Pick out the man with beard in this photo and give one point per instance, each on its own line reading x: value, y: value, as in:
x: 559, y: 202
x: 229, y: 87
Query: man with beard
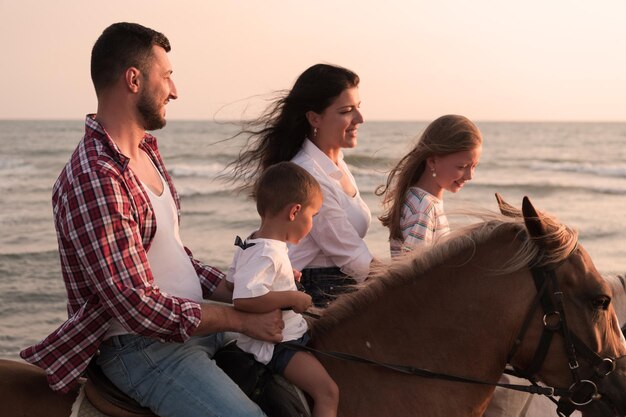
x: 134, y: 291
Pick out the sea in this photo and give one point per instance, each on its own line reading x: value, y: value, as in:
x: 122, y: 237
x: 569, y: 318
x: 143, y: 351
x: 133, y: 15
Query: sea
x: 574, y: 171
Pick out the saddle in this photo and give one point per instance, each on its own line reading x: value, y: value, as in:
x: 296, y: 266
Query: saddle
x: 108, y: 399
x: 274, y: 394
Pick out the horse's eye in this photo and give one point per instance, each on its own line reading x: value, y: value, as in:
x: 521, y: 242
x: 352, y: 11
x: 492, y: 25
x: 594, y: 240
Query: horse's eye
x: 601, y: 302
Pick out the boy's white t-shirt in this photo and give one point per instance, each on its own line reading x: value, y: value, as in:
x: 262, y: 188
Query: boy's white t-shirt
x: 262, y: 267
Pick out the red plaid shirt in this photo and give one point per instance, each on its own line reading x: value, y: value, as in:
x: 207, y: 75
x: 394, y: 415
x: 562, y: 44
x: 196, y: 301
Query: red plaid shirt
x: 105, y: 224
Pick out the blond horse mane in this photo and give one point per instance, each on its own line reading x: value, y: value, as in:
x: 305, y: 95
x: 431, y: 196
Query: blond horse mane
x: 559, y: 238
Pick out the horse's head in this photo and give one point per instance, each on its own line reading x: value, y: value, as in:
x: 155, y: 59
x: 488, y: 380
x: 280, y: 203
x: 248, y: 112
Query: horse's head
x: 574, y: 322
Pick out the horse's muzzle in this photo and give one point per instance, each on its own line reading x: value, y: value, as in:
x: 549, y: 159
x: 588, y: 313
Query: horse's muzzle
x: 612, y: 401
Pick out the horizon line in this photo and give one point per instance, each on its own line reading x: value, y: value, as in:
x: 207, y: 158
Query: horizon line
x: 589, y: 121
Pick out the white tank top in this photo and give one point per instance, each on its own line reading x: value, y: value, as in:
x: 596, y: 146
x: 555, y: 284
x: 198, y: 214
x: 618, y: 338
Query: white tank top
x: 170, y: 265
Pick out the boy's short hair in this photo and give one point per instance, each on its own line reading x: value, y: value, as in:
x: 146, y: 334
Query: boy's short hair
x: 283, y: 184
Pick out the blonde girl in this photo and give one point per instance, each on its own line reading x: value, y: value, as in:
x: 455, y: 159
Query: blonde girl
x: 444, y: 159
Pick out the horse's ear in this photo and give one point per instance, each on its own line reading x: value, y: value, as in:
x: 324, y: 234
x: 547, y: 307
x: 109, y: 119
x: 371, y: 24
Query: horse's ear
x: 506, y: 209
x: 534, y: 224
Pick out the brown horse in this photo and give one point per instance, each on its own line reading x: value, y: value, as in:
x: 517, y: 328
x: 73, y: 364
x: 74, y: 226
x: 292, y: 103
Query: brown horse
x: 457, y: 309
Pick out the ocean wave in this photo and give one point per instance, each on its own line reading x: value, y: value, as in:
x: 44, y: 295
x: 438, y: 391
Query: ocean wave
x: 369, y: 177
x: 600, y: 234
x: 617, y: 171
x: 190, y: 193
x: 30, y: 255
x: 550, y: 186
x: 359, y: 165
x: 368, y: 160
x: 211, y: 170
x: 12, y: 164
x: 376, y: 172
x: 380, y: 170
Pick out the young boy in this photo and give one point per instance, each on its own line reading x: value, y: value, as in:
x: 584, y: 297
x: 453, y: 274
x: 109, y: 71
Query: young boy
x: 287, y: 197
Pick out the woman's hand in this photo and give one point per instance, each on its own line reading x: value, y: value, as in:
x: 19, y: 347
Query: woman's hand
x: 297, y: 275
x: 375, y: 268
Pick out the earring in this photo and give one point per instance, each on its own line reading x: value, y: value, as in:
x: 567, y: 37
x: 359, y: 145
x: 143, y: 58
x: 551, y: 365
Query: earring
x: 434, y: 173
x: 314, y: 132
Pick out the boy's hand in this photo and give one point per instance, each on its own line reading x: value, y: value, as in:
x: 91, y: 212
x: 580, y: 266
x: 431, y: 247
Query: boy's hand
x: 301, y: 301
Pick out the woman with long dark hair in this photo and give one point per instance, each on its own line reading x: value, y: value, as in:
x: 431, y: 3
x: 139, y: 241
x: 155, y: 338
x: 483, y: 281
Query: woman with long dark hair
x: 310, y: 125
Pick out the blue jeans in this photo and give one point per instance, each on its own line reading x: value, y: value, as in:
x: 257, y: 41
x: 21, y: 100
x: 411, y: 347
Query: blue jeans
x: 174, y: 379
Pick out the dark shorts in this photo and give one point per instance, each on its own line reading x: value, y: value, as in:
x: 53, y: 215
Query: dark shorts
x: 283, y: 354
x: 325, y: 284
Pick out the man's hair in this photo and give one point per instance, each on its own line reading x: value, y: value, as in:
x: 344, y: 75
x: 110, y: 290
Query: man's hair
x: 283, y: 184
x: 121, y: 46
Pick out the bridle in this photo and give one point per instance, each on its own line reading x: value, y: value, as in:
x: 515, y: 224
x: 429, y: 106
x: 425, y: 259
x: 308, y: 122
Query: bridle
x: 583, y: 390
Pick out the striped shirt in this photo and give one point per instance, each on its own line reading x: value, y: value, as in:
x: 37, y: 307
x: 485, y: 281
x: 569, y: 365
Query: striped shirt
x: 422, y: 221
x: 105, y: 225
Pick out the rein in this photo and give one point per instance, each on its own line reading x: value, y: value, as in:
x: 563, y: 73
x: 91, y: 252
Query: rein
x: 405, y: 369
x: 580, y: 393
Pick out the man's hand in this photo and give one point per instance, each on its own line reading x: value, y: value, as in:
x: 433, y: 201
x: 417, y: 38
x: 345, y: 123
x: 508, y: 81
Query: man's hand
x: 265, y: 326
x: 224, y: 318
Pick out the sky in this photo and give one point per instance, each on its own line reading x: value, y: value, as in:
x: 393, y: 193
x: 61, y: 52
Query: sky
x: 490, y: 60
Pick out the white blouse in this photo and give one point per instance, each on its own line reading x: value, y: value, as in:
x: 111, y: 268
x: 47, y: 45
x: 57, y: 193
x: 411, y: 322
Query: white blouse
x: 339, y: 228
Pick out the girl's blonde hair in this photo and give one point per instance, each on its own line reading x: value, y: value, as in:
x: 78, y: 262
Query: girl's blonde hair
x: 446, y: 135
